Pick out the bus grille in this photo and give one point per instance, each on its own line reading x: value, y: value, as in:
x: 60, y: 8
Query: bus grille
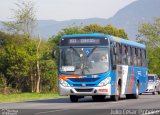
x: 83, y: 79
x: 84, y: 90
x: 86, y: 85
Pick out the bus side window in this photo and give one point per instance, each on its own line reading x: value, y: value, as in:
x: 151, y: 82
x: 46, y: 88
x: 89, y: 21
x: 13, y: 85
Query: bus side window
x: 117, y: 45
x: 124, y: 54
x: 129, y: 55
x: 119, y: 57
x: 138, y: 57
x: 144, y: 58
x: 113, y: 55
x: 134, y: 56
x: 114, y: 60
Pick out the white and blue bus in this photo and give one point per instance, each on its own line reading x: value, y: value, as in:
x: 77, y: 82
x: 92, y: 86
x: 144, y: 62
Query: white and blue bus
x: 100, y: 65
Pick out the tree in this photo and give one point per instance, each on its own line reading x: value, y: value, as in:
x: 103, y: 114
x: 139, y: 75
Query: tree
x: 24, y: 23
x: 18, y: 67
x: 24, y: 19
x: 109, y: 29
x: 93, y: 28
x: 149, y: 33
x: 14, y: 60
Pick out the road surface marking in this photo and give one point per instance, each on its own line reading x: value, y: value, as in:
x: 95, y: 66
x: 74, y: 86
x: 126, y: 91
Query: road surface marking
x: 48, y: 112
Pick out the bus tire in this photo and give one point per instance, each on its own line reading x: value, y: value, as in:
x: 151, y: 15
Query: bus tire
x: 98, y: 97
x: 117, y: 96
x: 136, y: 96
x: 73, y: 98
x: 128, y: 96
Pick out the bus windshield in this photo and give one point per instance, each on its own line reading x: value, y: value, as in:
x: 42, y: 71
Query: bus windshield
x: 151, y: 78
x: 84, y: 61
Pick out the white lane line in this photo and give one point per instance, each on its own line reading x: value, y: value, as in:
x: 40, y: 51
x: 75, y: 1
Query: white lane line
x: 124, y: 101
x: 48, y: 112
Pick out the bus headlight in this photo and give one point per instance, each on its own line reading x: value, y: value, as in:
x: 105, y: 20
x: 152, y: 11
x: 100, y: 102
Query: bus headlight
x: 64, y: 83
x: 104, y: 82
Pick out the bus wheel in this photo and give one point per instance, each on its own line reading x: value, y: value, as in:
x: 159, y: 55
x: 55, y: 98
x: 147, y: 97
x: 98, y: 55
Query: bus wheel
x: 128, y: 96
x: 98, y: 97
x: 117, y: 96
x: 73, y: 98
x: 136, y: 96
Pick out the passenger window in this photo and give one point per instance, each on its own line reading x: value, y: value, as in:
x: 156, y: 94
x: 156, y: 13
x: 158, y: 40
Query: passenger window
x: 134, y: 52
x: 113, y: 55
x: 144, y: 62
x: 119, y: 56
x: 138, y: 57
x: 124, y: 54
x: 129, y: 55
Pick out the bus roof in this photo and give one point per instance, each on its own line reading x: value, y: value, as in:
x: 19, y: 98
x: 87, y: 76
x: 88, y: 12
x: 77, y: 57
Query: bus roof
x: 111, y: 38
x: 85, y: 35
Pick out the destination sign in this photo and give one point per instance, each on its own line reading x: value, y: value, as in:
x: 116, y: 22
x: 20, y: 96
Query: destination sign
x: 84, y: 41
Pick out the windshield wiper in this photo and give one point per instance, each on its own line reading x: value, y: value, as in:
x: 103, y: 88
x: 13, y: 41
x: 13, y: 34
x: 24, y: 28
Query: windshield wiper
x: 84, y: 65
x: 82, y: 60
x: 91, y: 51
x: 75, y: 50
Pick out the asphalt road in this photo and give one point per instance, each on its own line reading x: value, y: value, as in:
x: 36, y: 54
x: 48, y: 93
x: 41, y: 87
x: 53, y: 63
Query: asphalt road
x: 146, y: 104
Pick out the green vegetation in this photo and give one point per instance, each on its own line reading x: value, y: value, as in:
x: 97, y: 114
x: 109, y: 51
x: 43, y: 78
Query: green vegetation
x: 18, y: 67
x: 150, y: 35
x: 109, y: 29
x: 19, y: 97
x: 26, y: 63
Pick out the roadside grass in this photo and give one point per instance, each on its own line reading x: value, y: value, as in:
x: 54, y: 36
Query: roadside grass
x: 19, y: 97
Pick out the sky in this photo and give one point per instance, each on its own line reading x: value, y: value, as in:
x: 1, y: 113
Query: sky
x: 67, y: 9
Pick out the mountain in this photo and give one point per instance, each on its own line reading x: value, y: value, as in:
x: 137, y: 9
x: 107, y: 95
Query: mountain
x: 48, y: 28
x: 131, y: 16
x: 127, y: 18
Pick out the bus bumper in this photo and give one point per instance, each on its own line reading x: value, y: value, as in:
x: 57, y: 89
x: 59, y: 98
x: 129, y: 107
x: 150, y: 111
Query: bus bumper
x: 85, y: 91
x: 149, y: 90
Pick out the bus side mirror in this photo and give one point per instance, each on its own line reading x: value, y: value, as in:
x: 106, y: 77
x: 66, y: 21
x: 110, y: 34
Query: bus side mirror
x: 53, y: 53
x: 115, y: 51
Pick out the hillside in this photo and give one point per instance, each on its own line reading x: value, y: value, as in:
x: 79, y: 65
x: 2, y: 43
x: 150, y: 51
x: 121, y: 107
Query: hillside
x: 134, y: 14
x: 127, y: 18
